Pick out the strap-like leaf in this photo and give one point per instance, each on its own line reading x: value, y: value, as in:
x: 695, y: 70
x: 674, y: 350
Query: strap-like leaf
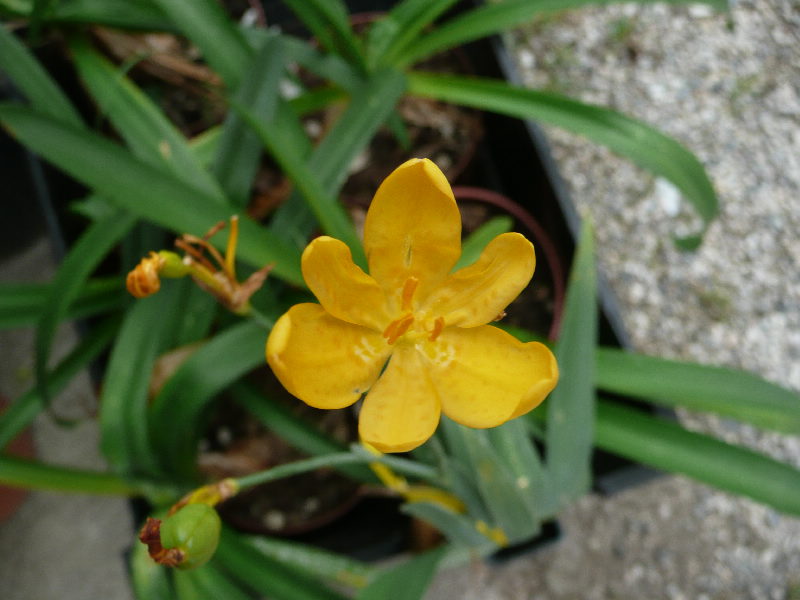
x: 668, y: 446
x: 726, y: 392
x: 406, y: 581
x: 33, y: 81
x: 143, y: 189
x: 632, y: 139
x: 570, y: 407
x: 205, y: 23
x: 267, y: 576
x: 495, y: 17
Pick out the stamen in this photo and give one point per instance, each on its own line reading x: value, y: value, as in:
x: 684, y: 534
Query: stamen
x: 409, y: 287
x: 438, y: 326
x: 230, y: 249
x: 397, y: 328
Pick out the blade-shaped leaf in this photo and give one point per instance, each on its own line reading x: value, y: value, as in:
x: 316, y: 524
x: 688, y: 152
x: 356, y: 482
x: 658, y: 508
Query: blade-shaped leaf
x: 632, y: 139
x: 266, y: 576
x: 143, y: 126
x: 123, y: 404
x: 473, y: 246
x: 22, y: 304
x: 320, y: 563
x: 329, y: 21
x: 727, y: 392
x: 401, y: 26
x: 666, y: 445
x: 369, y: 107
x: 150, y: 580
x: 207, y: 582
x: 176, y: 410
x: 142, y: 189
x: 495, y: 17
x: 570, y: 406
x: 406, y: 581
x: 18, y: 472
x: 33, y: 81
x: 239, y: 148
x: 141, y: 14
x: 83, y: 258
x: 221, y: 42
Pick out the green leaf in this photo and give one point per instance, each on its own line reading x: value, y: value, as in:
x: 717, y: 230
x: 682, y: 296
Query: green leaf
x: 329, y: 22
x: 22, y: 412
x: 139, y: 121
x: 632, y: 139
x: 239, y: 149
x: 207, y: 582
x: 149, y: 579
x: 495, y: 17
x: 177, y: 409
x: 123, y: 403
x: 327, y: 169
x: 22, y: 304
x: 266, y: 576
x: 507, y: 504
x: 142, y: 189
x: 33, y: 81
x: 726, y: 392
x: 317, y: 562
x: 83, y: 258
x: 514, y: 445
x: 116, y: 13
x: 570, y: 407
x: 457, y: 528
x: 406, y: 581
x: 205, y: 23
x: 668, y: 446
x: 18, y: 472
x: 473, y: 246
x: 400, y: 27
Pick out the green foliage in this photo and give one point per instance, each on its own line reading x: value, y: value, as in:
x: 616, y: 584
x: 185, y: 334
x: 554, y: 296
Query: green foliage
x: 149, y: 180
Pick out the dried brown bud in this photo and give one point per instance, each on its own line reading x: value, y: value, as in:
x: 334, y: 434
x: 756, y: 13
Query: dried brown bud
x: 144, y: 281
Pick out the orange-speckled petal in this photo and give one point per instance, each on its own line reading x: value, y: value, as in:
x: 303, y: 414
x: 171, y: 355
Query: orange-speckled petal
x: 341, y: 287
x: 478, y: 293
x: 413, y: 228
x: 485, y: 376
x: 325, y: 362
x: 401, y: 411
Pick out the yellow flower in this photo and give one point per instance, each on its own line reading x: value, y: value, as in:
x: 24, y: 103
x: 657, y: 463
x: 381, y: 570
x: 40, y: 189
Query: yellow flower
x: 428, y: 323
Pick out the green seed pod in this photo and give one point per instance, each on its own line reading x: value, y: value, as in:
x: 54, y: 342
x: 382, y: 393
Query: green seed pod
x: 194, y: 530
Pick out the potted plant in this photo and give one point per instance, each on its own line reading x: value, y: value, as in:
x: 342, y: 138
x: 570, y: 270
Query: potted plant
x: 484, y: 489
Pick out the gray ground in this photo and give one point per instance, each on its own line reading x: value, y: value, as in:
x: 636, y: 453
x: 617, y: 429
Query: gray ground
x: 728, y: 86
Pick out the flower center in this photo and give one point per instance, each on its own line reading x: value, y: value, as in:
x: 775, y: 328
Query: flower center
x: 400, y: 326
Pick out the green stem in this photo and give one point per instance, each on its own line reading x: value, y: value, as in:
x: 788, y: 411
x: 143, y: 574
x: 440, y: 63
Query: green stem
x: 333, y: 460
x: 17, y: 472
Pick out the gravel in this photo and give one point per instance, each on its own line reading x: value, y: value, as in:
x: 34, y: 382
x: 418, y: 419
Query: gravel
x: 726, y: 85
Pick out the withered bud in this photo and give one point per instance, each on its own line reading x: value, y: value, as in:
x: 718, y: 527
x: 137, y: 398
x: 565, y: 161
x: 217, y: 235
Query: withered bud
x: 145, y: 279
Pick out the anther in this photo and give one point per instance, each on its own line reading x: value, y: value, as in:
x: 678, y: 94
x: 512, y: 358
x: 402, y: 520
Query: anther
x: 409, y: 287
x: 397, y: 328
x: 438, y: 326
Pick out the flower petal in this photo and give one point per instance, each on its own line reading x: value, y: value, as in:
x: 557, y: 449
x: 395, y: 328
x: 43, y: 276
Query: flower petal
x: 413, y: 228
x: 402, y: 410
x: 341, y: 287
x: 325, y: 362
x: 485, y: 376
x: 478, y: 293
